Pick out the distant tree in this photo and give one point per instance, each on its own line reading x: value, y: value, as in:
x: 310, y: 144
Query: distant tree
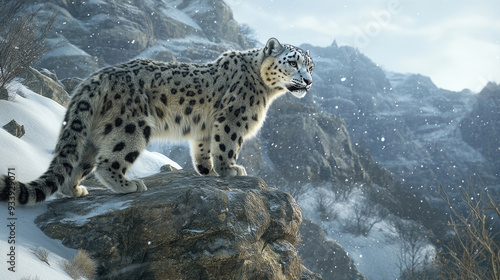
x: 296, y: 189
x: 412, y: 240
x: 474, y: 251
x: 343, y: 191
x: 249, y: 34
x: 324, y: 205
x: 22, y: 39
x: 366, y: 215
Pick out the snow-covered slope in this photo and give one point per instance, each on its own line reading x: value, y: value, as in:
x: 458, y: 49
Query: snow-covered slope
x: 27, y: 158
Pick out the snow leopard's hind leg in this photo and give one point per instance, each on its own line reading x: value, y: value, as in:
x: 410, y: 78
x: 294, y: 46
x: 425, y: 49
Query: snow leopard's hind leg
x: 117, y: 154
x: 85, y: 166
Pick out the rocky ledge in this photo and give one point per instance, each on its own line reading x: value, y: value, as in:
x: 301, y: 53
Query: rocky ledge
x: 184, y: 227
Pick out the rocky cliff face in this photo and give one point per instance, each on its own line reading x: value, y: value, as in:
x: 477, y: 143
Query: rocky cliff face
x: 306, y: 145
x: 88, y: 35
x: 319, y: 252
x: 184, y: 227
x: 481, y: 127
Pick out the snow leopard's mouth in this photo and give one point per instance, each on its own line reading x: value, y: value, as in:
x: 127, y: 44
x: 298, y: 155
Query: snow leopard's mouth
x: 298, y: 91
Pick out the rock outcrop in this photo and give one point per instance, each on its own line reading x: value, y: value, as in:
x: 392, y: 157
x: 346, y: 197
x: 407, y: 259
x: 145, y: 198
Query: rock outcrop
x: 319, y: 253
x: 300, y: 143
x: 309, y: 146
x: 44, y: 85
x: 184, y: 227
x: 4, y: 94
x: 481, y: 128
x: 15, y: 129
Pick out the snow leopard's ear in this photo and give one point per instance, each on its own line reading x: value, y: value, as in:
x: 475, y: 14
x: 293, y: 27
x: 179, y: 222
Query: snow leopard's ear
x: 273, y: 47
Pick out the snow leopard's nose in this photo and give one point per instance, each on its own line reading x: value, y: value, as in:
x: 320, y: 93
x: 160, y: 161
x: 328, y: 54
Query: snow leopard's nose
x: 307, y: 81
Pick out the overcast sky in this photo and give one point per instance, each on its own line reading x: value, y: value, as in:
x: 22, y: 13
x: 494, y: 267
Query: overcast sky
x: 456, y: 43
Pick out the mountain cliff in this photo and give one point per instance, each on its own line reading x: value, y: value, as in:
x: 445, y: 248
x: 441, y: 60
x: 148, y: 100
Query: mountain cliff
x: 481, y: 127
x: 88, y: 35
x: 425, y: 135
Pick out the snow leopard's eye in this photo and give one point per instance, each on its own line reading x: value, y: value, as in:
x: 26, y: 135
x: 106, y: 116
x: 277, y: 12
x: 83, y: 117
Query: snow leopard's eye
x: 310, y: 69
x: 293, y: 63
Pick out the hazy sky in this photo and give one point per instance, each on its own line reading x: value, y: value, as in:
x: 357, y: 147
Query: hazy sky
x: 456, y: 43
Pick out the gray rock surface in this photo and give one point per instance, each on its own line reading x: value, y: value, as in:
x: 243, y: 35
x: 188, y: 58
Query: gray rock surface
x: 307, y: 145
x: 4, y: 94
x: 184, y: 227
x: 45, y: 86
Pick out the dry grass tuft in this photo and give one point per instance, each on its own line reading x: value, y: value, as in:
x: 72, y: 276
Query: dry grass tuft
x: 82, y: 266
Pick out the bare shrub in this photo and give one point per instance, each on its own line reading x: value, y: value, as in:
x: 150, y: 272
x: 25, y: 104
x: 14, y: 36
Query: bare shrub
x: 366, y: 215
x: 249, y: 34
x: 295, y: 189
x: 343, y: 191
x: 324, y: 205
x: 82, y: 266
x: 473, y: 252
x: 412, y: 239
x: 42, y: 254
x: 22, y: 39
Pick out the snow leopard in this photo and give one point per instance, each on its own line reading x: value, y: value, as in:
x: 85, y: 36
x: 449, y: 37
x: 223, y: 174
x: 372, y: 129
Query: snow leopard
x: 114, y: 114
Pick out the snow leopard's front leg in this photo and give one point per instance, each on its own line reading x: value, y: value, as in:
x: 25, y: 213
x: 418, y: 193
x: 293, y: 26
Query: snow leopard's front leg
x: 225, y: 146
x: 200, y: 153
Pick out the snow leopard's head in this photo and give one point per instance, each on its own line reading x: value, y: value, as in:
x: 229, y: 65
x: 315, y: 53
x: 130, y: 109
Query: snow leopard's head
x: 287, y: 67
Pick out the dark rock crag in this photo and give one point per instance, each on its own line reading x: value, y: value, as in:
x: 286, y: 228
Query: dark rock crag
x: 481, y: 128
x: 319, y: 253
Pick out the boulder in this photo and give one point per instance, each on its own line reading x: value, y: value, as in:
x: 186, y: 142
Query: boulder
x: 45, y: 86
x: 184, y: 227
x: 15, y: 129
x: 4, y: 94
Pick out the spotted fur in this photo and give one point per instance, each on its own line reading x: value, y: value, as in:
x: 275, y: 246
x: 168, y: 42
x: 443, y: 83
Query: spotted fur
x: 114, y: 113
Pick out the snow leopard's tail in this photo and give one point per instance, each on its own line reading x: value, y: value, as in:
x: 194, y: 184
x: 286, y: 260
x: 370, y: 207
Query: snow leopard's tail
x: 68, y: 165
